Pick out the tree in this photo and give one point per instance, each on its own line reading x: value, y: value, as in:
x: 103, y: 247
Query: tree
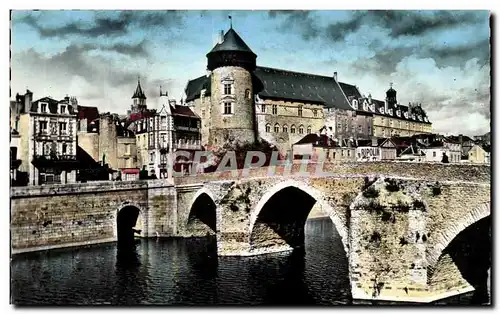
x: 240, y: 150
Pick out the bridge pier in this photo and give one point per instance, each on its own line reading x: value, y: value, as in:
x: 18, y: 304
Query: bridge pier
x: 388, y: 238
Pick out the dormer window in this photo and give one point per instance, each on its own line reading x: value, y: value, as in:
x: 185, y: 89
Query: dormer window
x: 63, y: 109
x: 365, y: 105
x: 398, y: 113
x: 382, y: 110
x: 43, y: 107
x: 406, y: 115
x: 355, y: 104
x: 391, y: 112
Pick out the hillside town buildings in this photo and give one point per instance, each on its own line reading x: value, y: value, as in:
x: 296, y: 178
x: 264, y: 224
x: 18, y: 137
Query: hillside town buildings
x: 236, y: 101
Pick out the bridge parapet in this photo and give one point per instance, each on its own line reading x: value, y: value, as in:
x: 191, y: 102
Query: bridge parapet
x: 428, y: 171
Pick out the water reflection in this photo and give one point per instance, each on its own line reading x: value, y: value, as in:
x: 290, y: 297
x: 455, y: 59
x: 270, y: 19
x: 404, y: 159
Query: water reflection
x: 187, y: 272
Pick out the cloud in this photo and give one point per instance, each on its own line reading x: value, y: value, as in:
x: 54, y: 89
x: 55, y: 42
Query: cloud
x: 105, y: 26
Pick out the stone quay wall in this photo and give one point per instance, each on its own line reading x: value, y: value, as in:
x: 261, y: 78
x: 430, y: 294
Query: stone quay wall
x: 46, y: 217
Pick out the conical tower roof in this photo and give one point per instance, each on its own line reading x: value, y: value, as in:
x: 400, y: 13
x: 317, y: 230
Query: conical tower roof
x: 232, y: 51
x: 138, y: 91
x: 232, y: 42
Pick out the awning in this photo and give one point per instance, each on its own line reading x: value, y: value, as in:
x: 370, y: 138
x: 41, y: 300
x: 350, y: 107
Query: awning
x: 130, y: 171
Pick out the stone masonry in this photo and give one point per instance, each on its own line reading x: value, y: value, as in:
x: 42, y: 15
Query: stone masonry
x: 394, y: 219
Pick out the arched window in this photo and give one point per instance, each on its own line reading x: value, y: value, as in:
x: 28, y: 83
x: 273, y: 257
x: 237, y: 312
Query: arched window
x: 301, y: 129
x: 276, y: 128
x: 292, y: 129
x: 268, y: 128
x: 309, y: 130
x: 285, y: 128
x: 64, y: 148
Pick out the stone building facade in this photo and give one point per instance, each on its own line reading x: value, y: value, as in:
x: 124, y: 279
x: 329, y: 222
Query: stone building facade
x: 237, y: 99
x: 48, y: 141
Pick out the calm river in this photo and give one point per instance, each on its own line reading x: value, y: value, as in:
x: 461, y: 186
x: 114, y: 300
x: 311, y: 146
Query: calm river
x: 188, y: 272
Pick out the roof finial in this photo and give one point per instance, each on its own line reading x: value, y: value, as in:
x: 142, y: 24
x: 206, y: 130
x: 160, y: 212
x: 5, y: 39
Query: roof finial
x: 390, y: 84
x: 230, y: 21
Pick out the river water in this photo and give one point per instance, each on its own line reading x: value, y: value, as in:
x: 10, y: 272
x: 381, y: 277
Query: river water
x: 188, y: 272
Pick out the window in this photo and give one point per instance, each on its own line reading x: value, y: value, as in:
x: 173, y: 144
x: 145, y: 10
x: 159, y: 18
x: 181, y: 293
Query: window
x: 228, y: 108
x: 309, y: 130
x: 227, y: 89
x: 276, y: 128
x: 275, y: 109
x: 292, y: 129
x: 64, y: 148
x: 43, y: 126
x: 163, y: 123
x: 382, y: 121
x: 163, y: 140
x: 300, y: 111
x: 301, y: 129
x: 327, y: 154
x: 433, y: 154
x: 285, y: 128
x: 348, y: 153
x: 62, y: 128
x: 127, y: 149
x: 63, y: 109
x: 247, y: 94
x: 360, y: 128
x: 151, y: 157
x: 44, y: 107
x: 315, y: 112
x: 268, y: 128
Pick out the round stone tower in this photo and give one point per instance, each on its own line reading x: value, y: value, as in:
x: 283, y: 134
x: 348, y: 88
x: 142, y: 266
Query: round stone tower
x: 232, y: 116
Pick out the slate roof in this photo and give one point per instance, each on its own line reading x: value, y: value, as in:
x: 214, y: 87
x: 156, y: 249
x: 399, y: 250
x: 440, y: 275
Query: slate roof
x: 183, y: 111
x: 52, y: 105
x: 289, y: 85
x: 283, y: 84
x: 194, y: 87
x: 89, y: 113
x: 322, y: 140
x: 232, y: 42
x: 138, y: 91
x: 412, y: 113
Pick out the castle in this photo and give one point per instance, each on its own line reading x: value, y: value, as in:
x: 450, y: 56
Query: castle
x: 240, y: 101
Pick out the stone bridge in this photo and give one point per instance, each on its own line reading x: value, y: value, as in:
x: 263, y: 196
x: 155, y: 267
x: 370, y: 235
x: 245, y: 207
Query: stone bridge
x: 395, y: 220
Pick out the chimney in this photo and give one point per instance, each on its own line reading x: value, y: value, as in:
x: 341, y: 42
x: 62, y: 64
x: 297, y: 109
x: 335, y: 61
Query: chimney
x: 369, y: 98
x: 460, y: 138
x: 66, y: 98
x: 28, y: 98
x: 335, y: 76
x: 221, y: 37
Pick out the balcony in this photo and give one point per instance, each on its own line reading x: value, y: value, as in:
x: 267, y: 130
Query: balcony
x: 55, y: 161
x: 186, y: 128
x: 191, y: 146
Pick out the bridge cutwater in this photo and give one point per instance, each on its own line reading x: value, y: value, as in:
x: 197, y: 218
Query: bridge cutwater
x: 395, y: 220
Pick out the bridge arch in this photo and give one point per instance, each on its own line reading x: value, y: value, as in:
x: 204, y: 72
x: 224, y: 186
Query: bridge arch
x: 129, y: 221
x: 315, y: 197
x: 202, y: 217
x: 453, y: 229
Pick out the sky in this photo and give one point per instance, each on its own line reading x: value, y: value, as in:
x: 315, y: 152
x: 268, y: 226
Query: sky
x: 440, y: 59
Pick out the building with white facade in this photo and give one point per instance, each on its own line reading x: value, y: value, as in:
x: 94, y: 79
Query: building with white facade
x: 48, y: 139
